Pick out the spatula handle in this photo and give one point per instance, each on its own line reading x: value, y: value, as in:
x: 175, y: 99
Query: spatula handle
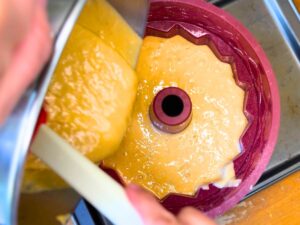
x: 104, y: 193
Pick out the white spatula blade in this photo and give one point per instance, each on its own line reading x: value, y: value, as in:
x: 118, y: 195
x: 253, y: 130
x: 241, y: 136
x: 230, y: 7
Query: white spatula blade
x: 104, y: 193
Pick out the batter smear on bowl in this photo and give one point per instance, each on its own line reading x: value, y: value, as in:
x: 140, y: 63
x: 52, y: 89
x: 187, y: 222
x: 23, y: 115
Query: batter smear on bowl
x: 203, y: 152
x: 92, y: 92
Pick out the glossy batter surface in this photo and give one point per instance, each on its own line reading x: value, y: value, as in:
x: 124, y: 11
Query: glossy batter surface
x: 181, y: 163
x: 101, y: 19
x: 90, y: 97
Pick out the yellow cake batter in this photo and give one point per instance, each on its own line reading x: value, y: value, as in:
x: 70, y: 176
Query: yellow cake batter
x: 102, y: 20
x: 92, y: 92
x: 181, y: 163
x: 91, y: 95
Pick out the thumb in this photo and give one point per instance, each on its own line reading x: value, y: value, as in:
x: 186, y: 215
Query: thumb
x: 26, y: 62
x: 147, y: 206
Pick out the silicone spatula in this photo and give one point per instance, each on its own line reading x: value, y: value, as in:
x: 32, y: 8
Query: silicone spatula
x: 105, y: 194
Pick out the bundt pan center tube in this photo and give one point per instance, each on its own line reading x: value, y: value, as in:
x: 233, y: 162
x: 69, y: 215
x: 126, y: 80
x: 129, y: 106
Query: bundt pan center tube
x: 204, y: 24
x: 171, y: 110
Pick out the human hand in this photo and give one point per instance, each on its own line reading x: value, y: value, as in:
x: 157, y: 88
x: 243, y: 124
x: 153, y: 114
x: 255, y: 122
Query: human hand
x: 25, y: 45
x: 153, y: 213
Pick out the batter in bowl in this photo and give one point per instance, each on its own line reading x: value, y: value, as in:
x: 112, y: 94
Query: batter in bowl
x: 92, y: 92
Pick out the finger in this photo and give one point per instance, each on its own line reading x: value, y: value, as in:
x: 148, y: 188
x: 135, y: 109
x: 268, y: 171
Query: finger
x: 27, y: 61
x: 15, y: 18
x: 191, y: 216
x: 150, y: 210
x: 7, y: 31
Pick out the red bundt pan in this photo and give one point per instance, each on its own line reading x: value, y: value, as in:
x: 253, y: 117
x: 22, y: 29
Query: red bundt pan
x: 203, y: 23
